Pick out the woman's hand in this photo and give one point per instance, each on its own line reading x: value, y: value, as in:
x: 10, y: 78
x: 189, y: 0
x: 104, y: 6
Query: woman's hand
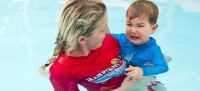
x: 127, y: 84
x: 134, y: 76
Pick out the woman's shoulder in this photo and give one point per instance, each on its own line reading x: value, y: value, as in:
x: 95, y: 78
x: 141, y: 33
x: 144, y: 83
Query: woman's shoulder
x: 110, y: 41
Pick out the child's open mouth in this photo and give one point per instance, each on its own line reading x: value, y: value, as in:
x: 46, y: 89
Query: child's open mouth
x: 135, y: 37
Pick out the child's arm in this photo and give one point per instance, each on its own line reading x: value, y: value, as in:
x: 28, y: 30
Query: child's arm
x: 137, y: 71
x: 159, y: 65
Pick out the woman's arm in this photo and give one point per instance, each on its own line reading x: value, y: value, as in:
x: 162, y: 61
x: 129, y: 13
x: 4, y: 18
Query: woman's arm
x: 128, y: 84
x: 63, y: 83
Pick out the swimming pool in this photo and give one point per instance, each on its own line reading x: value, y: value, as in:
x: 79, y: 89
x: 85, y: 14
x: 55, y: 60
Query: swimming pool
x: 28, y: 29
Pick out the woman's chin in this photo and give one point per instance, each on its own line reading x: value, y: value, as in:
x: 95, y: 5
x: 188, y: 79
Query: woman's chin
x: 98, y: 46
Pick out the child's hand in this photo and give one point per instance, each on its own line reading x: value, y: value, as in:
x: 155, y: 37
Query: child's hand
x: 134, y: 71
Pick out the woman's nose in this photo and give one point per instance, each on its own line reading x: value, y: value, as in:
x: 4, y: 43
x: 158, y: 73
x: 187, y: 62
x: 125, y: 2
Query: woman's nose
x: 107, y: 30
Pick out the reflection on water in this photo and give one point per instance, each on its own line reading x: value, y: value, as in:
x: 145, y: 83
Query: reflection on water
x: 28, y: 29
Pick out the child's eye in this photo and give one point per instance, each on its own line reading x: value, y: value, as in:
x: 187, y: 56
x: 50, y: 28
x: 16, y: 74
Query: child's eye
x: 128, y: 24
x: 140, y: 26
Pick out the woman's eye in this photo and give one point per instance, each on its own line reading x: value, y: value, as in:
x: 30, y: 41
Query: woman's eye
x: 102, y: 30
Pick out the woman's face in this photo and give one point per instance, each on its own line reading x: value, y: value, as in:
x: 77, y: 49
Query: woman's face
x: 95, y: 40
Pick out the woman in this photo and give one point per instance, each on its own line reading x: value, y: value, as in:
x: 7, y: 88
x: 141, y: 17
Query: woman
x: 83, y: 54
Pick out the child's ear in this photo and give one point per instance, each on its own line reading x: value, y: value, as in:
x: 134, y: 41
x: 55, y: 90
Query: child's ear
x: 154, y: 28
x: 81, y: 39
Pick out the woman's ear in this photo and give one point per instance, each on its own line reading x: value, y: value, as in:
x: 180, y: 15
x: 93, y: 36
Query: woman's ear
x: 81, y: 39
x: 154, y: 28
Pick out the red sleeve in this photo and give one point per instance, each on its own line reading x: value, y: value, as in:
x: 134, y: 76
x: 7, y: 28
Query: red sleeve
x: 63, y: 83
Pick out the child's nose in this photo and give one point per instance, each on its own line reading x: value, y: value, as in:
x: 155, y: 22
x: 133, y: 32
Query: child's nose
x: 133, y: 30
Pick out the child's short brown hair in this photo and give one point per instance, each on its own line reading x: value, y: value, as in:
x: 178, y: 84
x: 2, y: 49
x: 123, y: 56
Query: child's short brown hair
x: 143, y: 9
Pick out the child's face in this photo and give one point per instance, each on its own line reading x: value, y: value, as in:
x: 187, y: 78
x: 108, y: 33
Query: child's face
x: 138, y: 30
